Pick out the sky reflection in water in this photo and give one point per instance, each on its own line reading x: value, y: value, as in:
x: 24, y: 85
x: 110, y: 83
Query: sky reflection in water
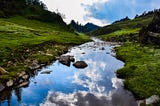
x: 95, y: 85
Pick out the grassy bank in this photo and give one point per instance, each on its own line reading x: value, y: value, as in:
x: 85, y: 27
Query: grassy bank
x: 142, y: 69
x: 122, y: 35
x: 26, y: 42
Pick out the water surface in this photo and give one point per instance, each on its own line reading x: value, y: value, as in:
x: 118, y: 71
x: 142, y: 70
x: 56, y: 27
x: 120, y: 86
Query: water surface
x: 95, y: 85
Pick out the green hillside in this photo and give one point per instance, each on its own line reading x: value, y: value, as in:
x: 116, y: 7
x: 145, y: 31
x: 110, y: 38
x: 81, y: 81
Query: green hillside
x: 25, y: 41
x: 122, y: 28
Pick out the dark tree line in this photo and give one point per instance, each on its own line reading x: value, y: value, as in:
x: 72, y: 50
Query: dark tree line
x: 123, y: 19
x: 32, y: 9
x: 144, y: 14
x: 150, y: 34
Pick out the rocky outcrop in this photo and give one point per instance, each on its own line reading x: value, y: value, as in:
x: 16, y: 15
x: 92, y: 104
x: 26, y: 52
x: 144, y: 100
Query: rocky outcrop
x: 66, y: 60
x: 80, y: 64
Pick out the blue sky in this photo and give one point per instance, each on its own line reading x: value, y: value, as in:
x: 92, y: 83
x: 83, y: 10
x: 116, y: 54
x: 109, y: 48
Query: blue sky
x: 100, y: 12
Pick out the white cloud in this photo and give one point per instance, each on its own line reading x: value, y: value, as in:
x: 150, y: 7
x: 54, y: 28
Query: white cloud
x: 73, y: 9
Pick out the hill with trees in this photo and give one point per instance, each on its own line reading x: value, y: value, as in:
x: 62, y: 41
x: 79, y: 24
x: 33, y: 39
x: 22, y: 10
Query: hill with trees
x: 123, y: 25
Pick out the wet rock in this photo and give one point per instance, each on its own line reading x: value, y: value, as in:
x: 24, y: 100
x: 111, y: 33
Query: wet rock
x: 46, y: 72
x: 80, y: 64
x: 102, y: 48
x: 2, y: 71
x: 24, y: 84
x: 1, y: 87
x: 66, y: 60
x: 107, y: 53
x: 25, y: 77
x: 72, y: 59
x: 152, y: 99
x: 10, y: 83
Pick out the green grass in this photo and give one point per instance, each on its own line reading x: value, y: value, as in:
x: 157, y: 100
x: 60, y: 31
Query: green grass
x: 23, y: 39
x: 142, y: 69
x: 119, y: 33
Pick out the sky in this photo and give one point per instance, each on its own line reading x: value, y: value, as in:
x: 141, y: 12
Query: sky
x: 100, y: 12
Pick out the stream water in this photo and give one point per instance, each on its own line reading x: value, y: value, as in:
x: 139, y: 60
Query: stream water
x: 95, y: 85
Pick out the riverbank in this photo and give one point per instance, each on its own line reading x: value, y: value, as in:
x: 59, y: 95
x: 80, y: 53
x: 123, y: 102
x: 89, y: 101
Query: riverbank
x: 26, y: 45
x: 142, y: 69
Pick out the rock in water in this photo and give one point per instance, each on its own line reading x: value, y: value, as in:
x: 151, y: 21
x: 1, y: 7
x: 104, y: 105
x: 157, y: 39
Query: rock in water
x: 66, y: 60
x: 2, y: 71
x: 80, y: 64
x: 46, y: 72
x: 24, y: 84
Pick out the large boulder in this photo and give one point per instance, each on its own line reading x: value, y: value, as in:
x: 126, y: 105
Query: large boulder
x: 80, y: 64
x: 66, y: 60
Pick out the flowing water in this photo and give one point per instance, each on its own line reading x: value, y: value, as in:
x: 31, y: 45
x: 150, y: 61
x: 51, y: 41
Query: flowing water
x: 95, y: 85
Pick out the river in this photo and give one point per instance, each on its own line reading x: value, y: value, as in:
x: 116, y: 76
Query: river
x: 96, y: 85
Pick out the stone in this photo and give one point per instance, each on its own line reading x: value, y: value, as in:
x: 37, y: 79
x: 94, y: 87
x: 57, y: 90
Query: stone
x: 66, y: 60
x: 34, y: 65
x: 72, y: 59
x: 152, y: 99
x: 1, y: 87
x: 25, y: 77
x: 10, y: 83
x: 102, y: 48
x: 80, y: 64
x: 2, y: 71
x: 23, y: 84
x: 107, y: 53
x: 46, y: 72
x: 22, y: 74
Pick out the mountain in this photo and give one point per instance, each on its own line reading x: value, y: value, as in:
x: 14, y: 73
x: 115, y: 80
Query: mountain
x: 91, y: 26
x: 124, y: 24
x: 83, y: 29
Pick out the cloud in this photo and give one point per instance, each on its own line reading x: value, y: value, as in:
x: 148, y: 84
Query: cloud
x: 100, y: 12
x: 73, y: 9
x: 116, y: 97
x: 113, y: 10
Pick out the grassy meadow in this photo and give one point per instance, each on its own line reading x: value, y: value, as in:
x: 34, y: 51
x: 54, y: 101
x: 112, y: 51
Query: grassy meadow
x: 25, y: 41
